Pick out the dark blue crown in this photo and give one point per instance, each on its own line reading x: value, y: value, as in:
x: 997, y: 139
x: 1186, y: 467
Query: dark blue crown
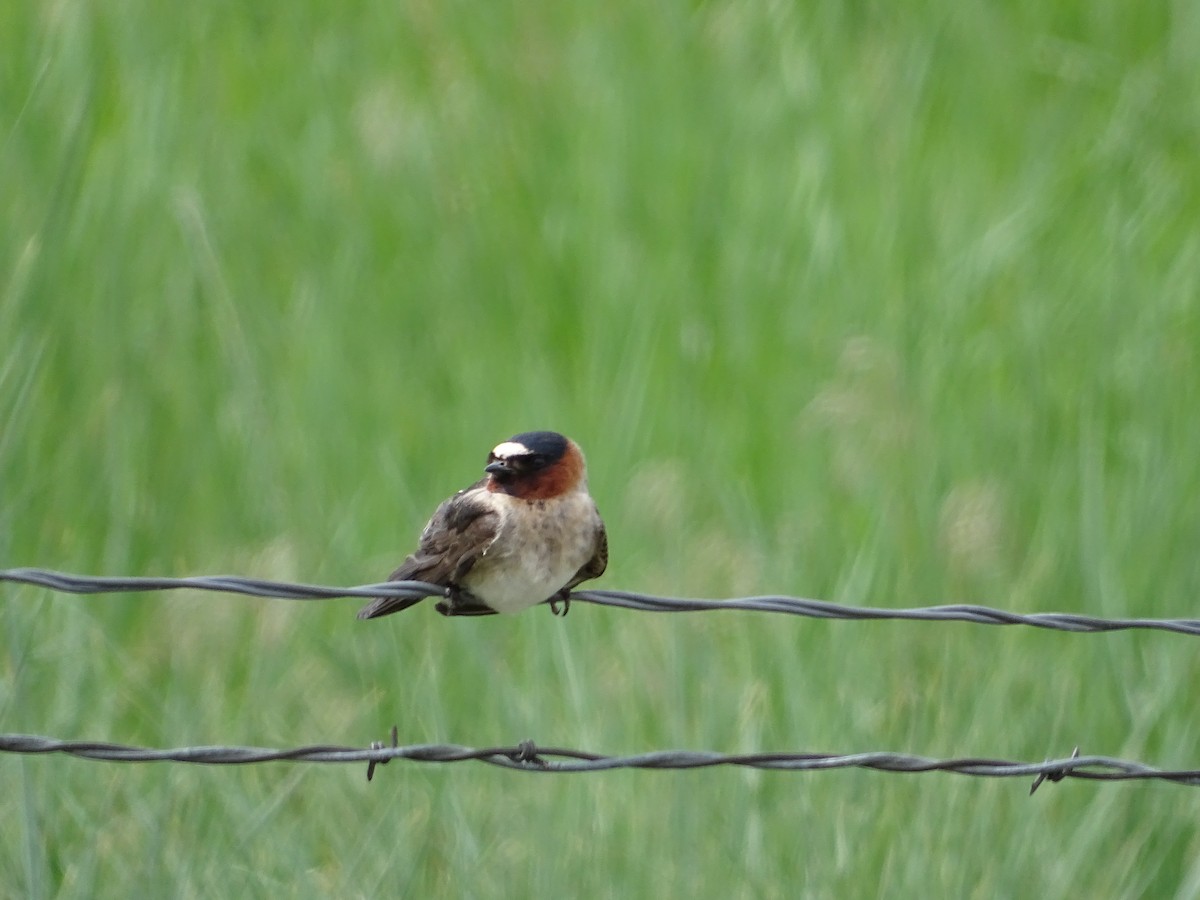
x: 548, y: 444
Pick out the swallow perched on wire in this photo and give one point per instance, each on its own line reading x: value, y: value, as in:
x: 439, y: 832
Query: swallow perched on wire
x: 526, y: 533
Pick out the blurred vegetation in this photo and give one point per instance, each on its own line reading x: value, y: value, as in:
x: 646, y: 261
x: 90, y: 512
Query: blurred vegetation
x: 875, y: 304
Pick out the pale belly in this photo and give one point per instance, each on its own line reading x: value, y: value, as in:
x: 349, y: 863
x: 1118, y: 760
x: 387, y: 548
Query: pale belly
x: 528, y: 564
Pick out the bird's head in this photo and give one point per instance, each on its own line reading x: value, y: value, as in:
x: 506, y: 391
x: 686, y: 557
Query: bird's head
x: 536, y: 465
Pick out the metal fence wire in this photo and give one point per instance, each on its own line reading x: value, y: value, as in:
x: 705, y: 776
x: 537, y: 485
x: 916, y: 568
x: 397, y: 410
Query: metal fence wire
x: 797, y: 606
x: 529, y: 757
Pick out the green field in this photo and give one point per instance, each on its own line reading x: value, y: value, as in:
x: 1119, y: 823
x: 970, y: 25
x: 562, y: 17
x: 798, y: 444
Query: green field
x: 885, y: 305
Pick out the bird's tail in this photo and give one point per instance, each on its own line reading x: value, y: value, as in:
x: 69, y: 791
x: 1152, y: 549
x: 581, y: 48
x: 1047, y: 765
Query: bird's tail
x: 385, y: 606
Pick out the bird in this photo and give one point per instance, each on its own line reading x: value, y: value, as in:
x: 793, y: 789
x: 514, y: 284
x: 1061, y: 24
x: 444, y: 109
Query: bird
x: 526, y: 533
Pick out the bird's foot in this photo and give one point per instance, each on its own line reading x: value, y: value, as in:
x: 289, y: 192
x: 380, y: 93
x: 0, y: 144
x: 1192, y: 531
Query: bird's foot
x: 461, y: 602
x: 565, y: 596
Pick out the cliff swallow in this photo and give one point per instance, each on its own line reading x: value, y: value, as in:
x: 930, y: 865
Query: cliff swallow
x: 527, y: 533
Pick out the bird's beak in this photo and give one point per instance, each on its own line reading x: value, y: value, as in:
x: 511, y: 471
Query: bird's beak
x: 497, y: 468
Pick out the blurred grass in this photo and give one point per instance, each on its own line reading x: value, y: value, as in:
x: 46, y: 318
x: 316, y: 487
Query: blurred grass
x: 881, y: 305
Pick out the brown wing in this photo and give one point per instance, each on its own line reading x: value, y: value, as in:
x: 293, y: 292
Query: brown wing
x: 456, y: 536
x: 595, y: 566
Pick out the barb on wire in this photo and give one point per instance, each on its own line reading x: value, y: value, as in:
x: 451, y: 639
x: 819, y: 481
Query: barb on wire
x: 1056, y: 775
x: 529, y: 757
x: 817, y: 609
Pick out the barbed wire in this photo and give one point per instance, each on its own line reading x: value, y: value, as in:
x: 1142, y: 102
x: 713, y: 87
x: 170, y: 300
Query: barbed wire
x: 818, y: 609
x: 529, y: 757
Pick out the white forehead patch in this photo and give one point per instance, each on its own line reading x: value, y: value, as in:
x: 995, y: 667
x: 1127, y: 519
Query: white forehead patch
x: 510, y: 448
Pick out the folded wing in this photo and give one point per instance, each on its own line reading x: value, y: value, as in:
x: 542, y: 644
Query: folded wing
x: 455, y: 538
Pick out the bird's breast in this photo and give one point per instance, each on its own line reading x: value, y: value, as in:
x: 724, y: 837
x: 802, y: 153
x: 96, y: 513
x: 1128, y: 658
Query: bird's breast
x: 539, y: 547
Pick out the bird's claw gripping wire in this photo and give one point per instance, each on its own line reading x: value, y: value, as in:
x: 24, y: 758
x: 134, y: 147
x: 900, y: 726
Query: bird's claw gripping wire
x: 565, y: 596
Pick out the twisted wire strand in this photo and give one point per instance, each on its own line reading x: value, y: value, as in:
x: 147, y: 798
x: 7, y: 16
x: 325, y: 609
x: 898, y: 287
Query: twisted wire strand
x: 818, y: 609
x: 529, y: 757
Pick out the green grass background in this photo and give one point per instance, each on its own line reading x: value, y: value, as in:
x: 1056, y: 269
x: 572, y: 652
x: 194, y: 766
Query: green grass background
x: 881, y: 304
